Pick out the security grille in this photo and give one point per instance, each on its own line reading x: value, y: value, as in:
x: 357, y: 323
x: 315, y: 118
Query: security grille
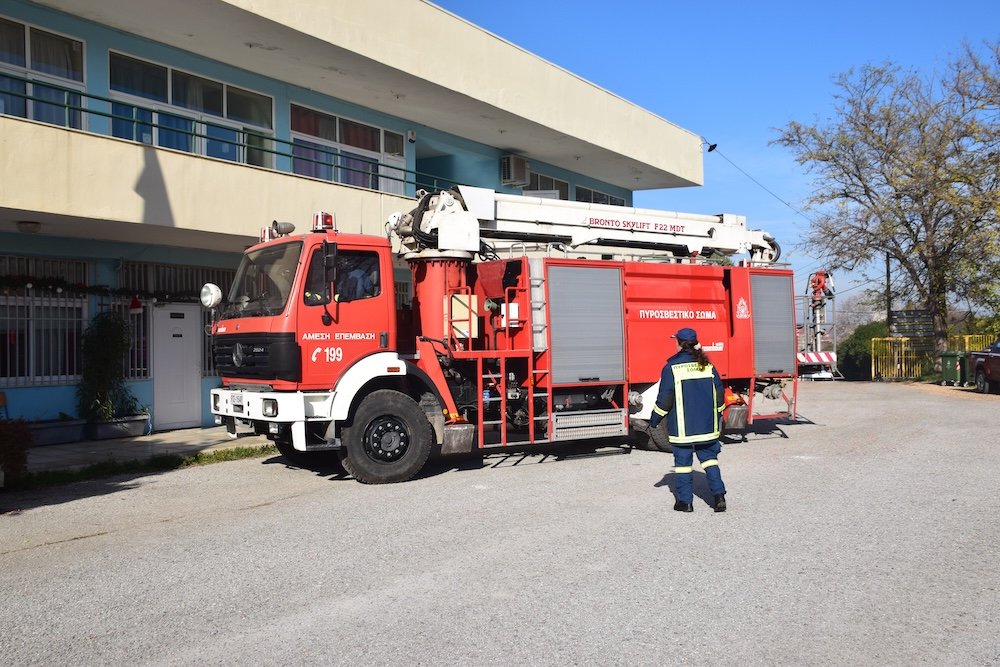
x: 42, y: 318
x: 168, y: 283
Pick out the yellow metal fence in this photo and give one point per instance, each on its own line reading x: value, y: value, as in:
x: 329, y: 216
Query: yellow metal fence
x: 898, y: 358
x: 910, y: 358
x: 973, y: 342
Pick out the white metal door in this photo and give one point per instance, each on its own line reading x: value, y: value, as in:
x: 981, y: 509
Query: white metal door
x: 177, y: 341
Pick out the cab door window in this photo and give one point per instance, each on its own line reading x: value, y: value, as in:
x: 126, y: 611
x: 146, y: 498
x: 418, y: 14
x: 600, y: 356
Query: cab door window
x: 358, y: 277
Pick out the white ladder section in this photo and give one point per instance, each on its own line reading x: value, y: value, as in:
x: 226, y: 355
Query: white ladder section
x: 580, y: 223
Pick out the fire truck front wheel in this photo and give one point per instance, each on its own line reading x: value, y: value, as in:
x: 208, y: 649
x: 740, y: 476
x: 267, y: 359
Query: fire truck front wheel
x: 389, y: 439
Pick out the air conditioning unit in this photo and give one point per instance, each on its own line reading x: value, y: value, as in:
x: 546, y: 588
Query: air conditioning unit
x: 514, y: 170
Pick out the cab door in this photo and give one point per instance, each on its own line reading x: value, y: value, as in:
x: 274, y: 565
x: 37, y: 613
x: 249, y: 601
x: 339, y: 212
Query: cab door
x: 361, y: 316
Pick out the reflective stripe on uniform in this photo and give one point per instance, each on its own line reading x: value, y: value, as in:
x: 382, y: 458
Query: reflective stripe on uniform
x: 683, y: 373
x: 680, y: 470
x: 709, y: 463
x: 660, y: 411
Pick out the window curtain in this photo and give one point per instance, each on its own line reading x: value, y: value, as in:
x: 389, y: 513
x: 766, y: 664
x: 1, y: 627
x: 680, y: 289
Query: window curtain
x: 357, y: 170
x: 134, y: 77
x: 309, y: 159
x: 307, y: 121
x: 13, y: 105
x: 12, y: 43
x: 59, y: 111
x: 247, y: 107
x: 55, y: 55
x: 360, y: 136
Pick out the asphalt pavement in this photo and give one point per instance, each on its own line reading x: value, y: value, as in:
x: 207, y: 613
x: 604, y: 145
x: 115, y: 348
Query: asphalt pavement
x: 866, y: 533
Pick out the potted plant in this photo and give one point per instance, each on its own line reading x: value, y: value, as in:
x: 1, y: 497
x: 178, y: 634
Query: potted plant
x: 15, y: 439
x: 103, y: 397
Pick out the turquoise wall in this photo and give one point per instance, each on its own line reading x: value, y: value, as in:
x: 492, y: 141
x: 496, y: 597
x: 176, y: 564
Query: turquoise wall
x: 47, y: 402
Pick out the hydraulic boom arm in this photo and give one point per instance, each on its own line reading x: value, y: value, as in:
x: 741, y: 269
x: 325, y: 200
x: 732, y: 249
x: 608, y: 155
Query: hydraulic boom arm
x: 575, y: 224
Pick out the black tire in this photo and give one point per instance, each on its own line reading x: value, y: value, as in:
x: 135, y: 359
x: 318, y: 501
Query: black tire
x: 323, y: 460
x: 389, y: 439
x: 292, y: 455
x: 982, y: 384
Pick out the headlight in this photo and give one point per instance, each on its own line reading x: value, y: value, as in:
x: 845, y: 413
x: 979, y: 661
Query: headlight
x: 269, y: 407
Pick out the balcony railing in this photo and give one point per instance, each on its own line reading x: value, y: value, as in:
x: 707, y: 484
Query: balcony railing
x: 174, y: 128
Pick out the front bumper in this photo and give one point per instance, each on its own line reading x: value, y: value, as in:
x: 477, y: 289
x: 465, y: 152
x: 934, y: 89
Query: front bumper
x: 272, y: 411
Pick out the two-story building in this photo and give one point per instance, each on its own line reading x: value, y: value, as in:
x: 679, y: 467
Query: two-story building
x: 143, y: 144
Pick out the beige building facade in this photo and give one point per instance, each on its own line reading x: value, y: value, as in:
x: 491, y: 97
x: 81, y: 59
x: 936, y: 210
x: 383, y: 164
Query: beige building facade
x: 143, y: 145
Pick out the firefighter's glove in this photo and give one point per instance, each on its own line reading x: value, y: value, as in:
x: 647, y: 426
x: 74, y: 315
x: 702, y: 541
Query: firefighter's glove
x: 654, y: 419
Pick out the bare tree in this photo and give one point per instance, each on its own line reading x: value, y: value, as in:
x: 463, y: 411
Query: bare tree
x: 908, y: 168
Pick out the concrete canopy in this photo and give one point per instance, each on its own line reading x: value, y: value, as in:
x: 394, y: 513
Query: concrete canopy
x: 424, y: 64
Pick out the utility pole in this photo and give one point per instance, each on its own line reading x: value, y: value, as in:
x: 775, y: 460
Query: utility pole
x: 888, y: 296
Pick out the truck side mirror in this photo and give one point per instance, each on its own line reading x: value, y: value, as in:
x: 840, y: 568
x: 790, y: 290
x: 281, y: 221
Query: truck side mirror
x: 329, y: 268
x: 329, y: 278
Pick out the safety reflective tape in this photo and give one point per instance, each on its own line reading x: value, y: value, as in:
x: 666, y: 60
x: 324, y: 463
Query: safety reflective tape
x: 660, y: 411
x: 709, y: 463
x: 702, y: 437
x: 683, y: 373
x: 680, y: 470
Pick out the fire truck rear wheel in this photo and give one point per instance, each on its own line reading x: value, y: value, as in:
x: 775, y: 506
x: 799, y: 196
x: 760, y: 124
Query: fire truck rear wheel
x: 389, y: 440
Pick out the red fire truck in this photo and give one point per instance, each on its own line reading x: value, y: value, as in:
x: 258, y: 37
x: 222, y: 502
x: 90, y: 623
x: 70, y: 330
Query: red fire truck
x: 556, y: 332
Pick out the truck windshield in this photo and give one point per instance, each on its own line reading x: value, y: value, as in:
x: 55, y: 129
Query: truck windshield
x: 264, y: 281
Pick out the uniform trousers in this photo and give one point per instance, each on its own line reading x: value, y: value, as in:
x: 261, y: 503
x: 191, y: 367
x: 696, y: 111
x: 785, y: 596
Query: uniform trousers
x: 708, y: 455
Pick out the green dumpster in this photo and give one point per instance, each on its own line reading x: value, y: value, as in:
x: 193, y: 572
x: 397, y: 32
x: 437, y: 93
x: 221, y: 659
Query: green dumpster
x: 953, y: 368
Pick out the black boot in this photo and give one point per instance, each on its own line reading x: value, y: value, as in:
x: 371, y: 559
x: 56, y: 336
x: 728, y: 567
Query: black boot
x: 720, y: 503
x: 681, y: 506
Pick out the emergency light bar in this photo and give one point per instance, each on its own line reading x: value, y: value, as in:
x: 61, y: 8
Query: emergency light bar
x: 323, y: 221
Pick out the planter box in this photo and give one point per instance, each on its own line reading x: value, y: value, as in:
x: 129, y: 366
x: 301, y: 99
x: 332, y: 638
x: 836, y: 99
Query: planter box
x: 57, y: 431
x: 123, y: 427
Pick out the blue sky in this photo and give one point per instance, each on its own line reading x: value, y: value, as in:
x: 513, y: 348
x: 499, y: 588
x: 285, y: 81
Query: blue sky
x: 733, y: 72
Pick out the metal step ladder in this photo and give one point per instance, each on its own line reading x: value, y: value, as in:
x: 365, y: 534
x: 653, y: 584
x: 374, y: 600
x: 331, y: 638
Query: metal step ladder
x: 539, y: 311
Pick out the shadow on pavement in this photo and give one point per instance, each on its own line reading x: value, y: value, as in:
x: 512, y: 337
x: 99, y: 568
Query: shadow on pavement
x: 14, y: 502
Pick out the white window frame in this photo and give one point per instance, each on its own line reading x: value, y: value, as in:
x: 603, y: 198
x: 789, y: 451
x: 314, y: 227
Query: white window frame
x: 201, y: 119
x: 555, y: 182
x: 388, y: 164
x: 32, y: 76
x: 598, y: 192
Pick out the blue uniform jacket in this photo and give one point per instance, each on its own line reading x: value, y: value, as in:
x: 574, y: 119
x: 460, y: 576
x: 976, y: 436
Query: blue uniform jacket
x: 699, y: 411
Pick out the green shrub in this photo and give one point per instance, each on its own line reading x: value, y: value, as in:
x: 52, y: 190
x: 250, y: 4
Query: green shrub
x: 103, y: 394
x: 854, y: 354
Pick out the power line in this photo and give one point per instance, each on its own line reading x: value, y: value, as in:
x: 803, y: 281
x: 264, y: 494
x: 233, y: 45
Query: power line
x: 714, y: 148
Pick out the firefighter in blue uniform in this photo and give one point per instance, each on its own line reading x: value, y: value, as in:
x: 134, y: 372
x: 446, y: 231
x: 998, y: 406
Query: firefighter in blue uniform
x: 691, y: 398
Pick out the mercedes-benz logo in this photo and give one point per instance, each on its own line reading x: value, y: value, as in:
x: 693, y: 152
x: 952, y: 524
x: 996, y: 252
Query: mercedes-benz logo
x: 239, y: 356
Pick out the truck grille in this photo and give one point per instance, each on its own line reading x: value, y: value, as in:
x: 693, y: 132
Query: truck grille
x: 257, y: 356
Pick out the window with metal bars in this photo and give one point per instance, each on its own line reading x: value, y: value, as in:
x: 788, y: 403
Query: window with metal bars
x: 41, y: 321
x: 172, y: 282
